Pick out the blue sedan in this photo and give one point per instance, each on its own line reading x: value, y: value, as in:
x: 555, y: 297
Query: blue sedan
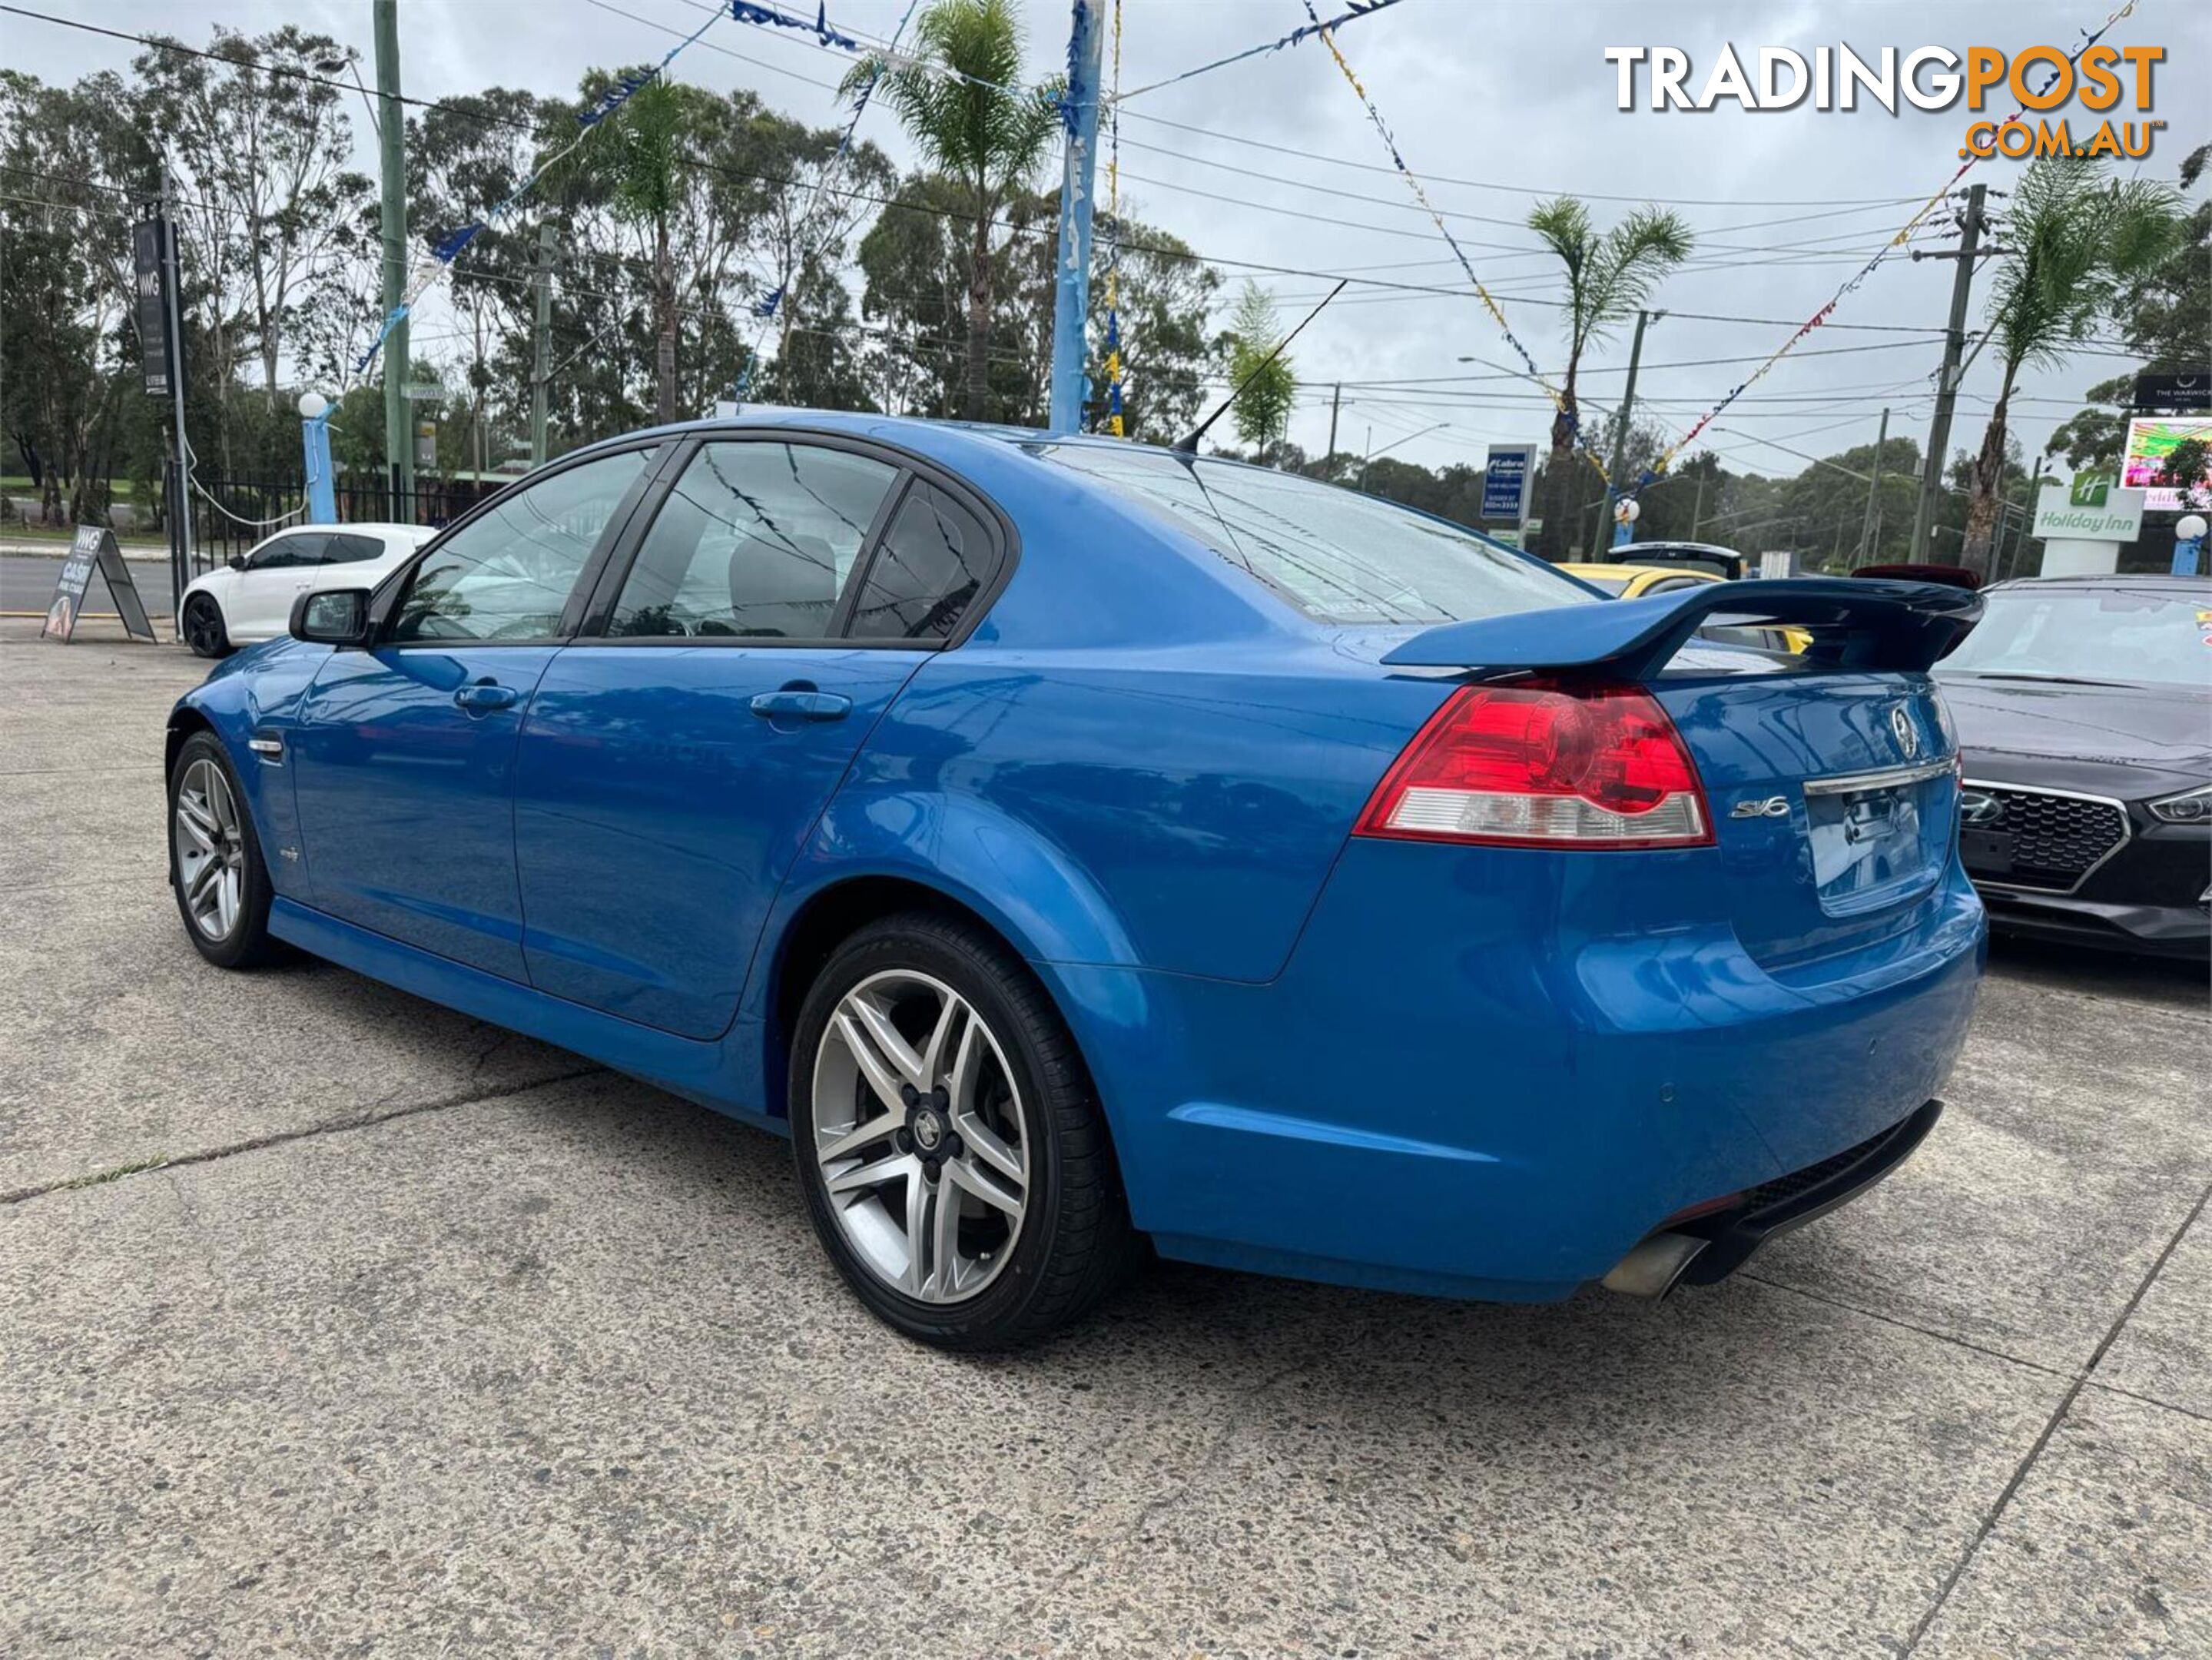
x: 1075, y: 847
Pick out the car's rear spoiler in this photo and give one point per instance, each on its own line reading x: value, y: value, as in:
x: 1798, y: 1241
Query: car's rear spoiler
x: 1854, y: 625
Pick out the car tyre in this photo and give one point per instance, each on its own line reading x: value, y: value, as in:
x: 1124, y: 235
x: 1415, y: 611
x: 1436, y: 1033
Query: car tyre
x: 1014, y: 1097
x: 216, y: 868
x: 204, y: 630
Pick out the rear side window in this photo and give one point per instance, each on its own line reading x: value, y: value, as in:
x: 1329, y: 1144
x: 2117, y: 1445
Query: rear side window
x: 756, y: 539
x: 933, y: 561
x: 1338, y: 556
x: 352, y: 550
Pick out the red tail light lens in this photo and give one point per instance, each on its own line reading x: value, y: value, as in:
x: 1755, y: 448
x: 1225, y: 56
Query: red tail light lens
x: 1545, y: 764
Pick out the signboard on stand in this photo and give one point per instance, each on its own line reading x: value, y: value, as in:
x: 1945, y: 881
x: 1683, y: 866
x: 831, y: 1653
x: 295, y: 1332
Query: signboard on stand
x: 95, y: 550
x: 1506, y: 481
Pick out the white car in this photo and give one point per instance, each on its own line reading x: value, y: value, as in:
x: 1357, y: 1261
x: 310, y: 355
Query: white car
x: 250, y: 598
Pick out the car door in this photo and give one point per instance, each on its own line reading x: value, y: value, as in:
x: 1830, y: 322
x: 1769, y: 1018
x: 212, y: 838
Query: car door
x: 678, y: 754
x: 259, y: 605
x: 402, y: 754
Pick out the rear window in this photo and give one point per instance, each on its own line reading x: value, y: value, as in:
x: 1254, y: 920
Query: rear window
x: 2116, y: 633
x: 1338, y: 556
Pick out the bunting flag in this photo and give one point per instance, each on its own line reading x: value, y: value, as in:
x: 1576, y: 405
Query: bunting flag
x: 1911, y: 228
x: 426, y: 269
x: 1566, y: 411
x: 1356, y: 10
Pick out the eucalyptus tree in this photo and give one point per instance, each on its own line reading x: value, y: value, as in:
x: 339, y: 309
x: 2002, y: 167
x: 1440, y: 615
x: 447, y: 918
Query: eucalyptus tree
x: 262, y: 146
x: 1609, y: 275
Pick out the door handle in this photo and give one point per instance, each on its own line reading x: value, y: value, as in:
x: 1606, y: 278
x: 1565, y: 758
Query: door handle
x: 483, y: 697
x: 802, y: 703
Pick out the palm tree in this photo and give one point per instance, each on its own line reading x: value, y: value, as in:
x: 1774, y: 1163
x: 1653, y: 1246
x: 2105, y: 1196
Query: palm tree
x: 641, y: 154
x: 1609, y: 275
x: 960, y: 100
x: 2076, y: 237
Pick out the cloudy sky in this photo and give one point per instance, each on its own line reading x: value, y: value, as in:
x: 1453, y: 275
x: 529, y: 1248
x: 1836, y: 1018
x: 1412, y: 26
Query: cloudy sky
x: 1272, y: 163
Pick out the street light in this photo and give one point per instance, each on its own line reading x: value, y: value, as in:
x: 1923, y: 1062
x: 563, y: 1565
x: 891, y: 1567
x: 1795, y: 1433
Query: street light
x: 1369, y: 459
x: 350, y: 62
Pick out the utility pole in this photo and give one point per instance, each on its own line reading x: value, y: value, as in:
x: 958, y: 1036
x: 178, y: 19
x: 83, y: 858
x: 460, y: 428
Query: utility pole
x: 1947, y: 383
x: 1336, y: 402
x: 1603, y: 539
x: 1071, y: 309
x: 1697, y: 511
x: 1873, y: 496
x: 181, y: 503
x: 391, y: 130
x: 541, y: 370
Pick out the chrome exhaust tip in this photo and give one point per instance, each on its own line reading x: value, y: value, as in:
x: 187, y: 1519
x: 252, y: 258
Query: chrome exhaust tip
x: 1652, y: 1268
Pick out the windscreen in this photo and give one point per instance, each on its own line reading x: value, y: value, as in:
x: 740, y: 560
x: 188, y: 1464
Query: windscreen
x: 1338, y: 556
x: 2115, y: 634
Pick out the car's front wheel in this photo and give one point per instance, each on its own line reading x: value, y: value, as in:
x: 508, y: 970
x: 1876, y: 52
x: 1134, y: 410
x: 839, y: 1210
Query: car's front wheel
x: 204, y: 626
x: 954, y: 1158
x: 214, y: 859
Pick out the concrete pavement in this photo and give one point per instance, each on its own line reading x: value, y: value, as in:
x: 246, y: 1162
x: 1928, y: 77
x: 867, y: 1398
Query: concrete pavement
x: 330, y: 1320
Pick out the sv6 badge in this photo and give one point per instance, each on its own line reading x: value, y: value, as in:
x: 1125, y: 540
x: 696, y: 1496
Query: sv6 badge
x: 1773, y: 806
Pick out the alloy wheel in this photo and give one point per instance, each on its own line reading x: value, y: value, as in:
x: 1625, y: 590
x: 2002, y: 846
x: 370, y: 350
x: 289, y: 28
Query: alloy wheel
x: 202, y: 627
x: 211, y: 849
x: 918, y: 1134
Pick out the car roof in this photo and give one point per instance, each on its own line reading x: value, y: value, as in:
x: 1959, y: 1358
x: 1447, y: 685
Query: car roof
x: 2162, y: 581
x: 365, y: 526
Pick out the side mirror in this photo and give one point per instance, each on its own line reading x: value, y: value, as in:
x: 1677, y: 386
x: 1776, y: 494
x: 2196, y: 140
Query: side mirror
x: 236, y: 562
x: 335, y: 617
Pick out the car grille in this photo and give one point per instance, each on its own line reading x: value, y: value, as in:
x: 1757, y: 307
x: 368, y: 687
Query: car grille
x: 2055, y: 839
x: 1783, y: 1188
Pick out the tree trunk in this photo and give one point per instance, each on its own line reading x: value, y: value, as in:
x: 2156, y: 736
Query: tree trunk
x: 1988, y: 483
x: 664, y: 302
x: 1558, y: 543
x: 973, y: 404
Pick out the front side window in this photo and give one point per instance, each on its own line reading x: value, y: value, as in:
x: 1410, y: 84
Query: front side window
x: 301, y: 552
x: 756, y: 540
x: 934, y: 559
x: 1338, y: 556
x: 506, y: 574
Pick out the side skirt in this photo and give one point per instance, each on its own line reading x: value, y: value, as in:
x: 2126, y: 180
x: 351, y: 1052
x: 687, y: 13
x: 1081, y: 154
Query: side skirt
x: 706, y: 1072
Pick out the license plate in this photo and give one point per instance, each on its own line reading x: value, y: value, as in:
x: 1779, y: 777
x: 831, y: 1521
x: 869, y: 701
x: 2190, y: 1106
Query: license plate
x: 1871, y: 847
x: 1988, y: 851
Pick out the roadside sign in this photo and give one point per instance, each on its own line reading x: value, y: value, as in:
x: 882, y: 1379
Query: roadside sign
x: 2095, y: 510
x: 95, y: 550
x: 423, y: 392
x: 2174, y: 394
x: 152, y: 303
x: 1506, y: 481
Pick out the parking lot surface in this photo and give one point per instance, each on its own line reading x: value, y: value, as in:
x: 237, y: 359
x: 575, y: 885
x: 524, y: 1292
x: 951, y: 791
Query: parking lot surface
x: 330, y: 1320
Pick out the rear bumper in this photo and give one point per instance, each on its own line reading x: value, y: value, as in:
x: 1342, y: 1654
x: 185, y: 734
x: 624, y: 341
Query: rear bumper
x: 1728, y: 1236
x: 1483, y: 1095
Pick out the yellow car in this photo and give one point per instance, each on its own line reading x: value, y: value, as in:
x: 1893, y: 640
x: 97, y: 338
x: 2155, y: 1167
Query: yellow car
x: 1641, y: 581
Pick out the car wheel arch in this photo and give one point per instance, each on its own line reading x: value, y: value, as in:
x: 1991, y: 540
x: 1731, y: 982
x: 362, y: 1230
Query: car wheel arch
x: 823, y: 921
x: 183, y: 721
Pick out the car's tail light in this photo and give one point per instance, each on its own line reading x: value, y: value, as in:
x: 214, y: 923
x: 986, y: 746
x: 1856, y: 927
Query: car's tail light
x: 1545, y: 764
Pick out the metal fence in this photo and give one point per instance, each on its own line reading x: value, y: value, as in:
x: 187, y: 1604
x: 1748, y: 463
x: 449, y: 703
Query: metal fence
x: 232, y: 513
